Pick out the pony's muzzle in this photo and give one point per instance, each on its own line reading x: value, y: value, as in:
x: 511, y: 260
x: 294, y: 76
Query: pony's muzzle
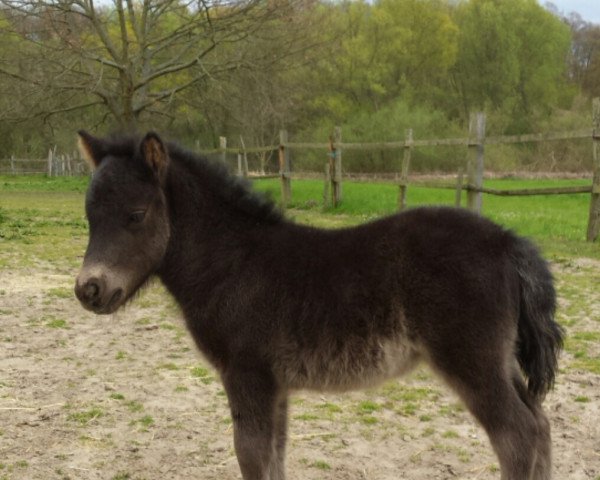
x: 94, y: 294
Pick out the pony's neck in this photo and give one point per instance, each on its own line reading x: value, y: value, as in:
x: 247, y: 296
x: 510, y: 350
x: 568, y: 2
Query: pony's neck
x: 214, y: 222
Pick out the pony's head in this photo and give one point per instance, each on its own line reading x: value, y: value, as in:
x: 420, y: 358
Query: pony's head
x: 128, y: 218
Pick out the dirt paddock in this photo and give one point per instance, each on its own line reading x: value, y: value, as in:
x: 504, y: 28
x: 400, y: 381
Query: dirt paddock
x: 128, y: 397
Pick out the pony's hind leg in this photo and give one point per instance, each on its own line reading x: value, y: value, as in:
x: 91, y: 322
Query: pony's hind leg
x: 512, y: 427
x: 543, y: 464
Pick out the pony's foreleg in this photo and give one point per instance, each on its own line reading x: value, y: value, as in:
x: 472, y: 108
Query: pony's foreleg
x: 277, y: 465
x: 253, y: 400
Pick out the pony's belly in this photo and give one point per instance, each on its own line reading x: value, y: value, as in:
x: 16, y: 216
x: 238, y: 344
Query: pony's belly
x: 358, y: 364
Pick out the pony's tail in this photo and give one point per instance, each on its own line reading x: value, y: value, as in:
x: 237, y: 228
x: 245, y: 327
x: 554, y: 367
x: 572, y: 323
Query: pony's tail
x: 540, y: 337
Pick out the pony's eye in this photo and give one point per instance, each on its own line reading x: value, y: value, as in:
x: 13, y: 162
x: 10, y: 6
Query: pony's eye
x: 137, y: 216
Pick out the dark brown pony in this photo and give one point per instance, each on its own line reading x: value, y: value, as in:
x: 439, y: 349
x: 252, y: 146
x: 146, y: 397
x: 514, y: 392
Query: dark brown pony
x: 278, y: 307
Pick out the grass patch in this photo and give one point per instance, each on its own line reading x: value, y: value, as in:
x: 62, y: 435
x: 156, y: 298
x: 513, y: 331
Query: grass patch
x: 306, y: 417
x: 134, y: 406
x: 368, y: 420
x: 330, y: 407
x: 202, y: 373
x: 144, y: 422
x: 86, y: 416
x: 557, y: 222
x: 582, y: 399
x: 122, y: 476
x: 57, y: 323
x: 367, y: 407
x: 321, y: 465
x: 60, y: 292
x: 168, y: 366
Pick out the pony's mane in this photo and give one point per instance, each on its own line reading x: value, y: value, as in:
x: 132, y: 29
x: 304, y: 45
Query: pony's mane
x: 234, y: 190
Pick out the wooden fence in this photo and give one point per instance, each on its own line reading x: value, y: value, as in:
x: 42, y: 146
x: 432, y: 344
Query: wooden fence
x: 55, y: 165
x: 474, y: 142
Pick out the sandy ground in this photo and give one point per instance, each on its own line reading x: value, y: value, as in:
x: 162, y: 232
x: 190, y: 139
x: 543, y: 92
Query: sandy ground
x: 128, y: 397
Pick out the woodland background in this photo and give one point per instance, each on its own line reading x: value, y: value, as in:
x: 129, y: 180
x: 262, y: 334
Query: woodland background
x: 199, y: 69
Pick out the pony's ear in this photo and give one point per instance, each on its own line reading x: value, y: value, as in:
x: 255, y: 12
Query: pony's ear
x: 92, y: 149
x: 155, y: 155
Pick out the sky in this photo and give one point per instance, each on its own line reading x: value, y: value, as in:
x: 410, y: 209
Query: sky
x: 588, y: 9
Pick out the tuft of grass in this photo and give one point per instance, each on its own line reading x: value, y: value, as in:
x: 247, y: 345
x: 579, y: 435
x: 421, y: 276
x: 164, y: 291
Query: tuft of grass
x: 122, y: 476
x: 60, y: 292
x: 582, y: 399
x: 306, y: 417
x: 367, y: 407
x: 201, y: 373
x: 407, y: 409
x: 321, y: 465
x: 168, y: 366
x: 57, y: 323
x: 144, y: 422
x: 134, y: 406
x: 330, y: 407
x: 168, y: 326
x: 368, y: 420
x: 86, y: 416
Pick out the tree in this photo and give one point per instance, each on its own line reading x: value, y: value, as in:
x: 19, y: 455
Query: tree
x: 584, y: 59
x: 381, y: 51
x: 132, y: 60
x: 512, y: 58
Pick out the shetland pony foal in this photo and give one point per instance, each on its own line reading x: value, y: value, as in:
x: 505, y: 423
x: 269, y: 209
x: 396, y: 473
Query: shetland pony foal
x: 277, y: 307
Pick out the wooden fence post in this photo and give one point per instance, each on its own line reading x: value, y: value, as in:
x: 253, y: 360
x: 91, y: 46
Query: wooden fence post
x: 285, y: 168
x: 476, y: 159
x: 12, y: 165
x: 405, y: 168
x: 223, y: 148
x: 50, y: 162
x: 239, y: 161
x: 459, y: 185
x: 335, y: 161
x: 326, y: 197
x: 594, y: 218
x: 243, y: 159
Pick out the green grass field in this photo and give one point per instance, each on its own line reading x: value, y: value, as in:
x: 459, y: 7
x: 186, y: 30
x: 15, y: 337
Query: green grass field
x: 558, y: 223
x: 49, y: 211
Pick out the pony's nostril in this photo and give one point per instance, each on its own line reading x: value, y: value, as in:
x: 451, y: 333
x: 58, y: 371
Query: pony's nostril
x: 91, y: 290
